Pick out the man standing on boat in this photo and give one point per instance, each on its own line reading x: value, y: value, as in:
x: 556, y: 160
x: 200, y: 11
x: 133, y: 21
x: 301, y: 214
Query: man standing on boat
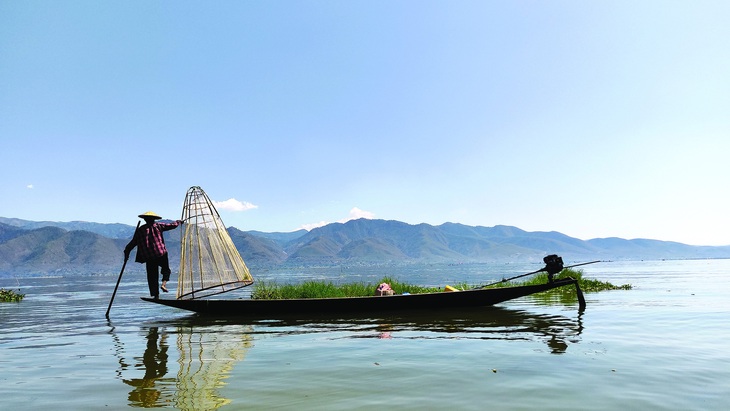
x: 151, y: 250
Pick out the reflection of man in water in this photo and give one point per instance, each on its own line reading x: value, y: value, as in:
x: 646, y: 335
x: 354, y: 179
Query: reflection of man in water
x: 154, y: 360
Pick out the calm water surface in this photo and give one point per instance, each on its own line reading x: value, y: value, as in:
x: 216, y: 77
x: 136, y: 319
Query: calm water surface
x: 661, y: 346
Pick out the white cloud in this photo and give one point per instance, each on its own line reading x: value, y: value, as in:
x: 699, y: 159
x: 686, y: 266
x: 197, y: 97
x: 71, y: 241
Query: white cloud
x: 355, y: 214
x: 29, y: 186
x: 312, y: 226
x: 234, y: 205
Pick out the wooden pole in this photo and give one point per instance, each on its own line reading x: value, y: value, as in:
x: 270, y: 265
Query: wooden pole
x: 119, y: 279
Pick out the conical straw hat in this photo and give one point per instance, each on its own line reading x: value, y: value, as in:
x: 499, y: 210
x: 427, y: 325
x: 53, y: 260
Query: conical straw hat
x: 150, y: 214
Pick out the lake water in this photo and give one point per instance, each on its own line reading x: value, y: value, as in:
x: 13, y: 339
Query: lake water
x: 665, y: 345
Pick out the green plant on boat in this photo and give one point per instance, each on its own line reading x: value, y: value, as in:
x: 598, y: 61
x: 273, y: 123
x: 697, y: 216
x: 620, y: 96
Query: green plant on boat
x: 263, y: 290
x: 10, y: 296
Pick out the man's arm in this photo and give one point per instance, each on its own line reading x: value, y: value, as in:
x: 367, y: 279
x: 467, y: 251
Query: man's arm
x: 132, y: 243
x: 169, y: 226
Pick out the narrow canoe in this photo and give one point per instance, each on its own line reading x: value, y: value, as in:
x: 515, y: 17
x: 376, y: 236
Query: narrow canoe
x: 436, y: 302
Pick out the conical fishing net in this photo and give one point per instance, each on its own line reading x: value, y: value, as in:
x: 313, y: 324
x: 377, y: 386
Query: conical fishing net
x: 209, y: 262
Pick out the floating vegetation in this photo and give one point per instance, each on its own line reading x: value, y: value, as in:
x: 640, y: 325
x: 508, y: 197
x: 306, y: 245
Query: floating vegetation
x: 564, y: 295
x: 10, y: 296
x: 263, y: 290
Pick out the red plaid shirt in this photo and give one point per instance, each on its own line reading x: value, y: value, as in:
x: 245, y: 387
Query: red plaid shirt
x: 149, y: 241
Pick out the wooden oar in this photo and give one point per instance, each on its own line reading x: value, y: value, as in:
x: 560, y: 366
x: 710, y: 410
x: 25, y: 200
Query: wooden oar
x: 504, y: 280
x: 119, y: 279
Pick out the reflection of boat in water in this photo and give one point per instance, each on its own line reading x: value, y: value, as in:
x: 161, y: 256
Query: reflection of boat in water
x: 484, y: 323
x: 205, y: 359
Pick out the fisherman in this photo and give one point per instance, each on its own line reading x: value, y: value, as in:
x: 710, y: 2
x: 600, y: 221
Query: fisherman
x: 151, y: 250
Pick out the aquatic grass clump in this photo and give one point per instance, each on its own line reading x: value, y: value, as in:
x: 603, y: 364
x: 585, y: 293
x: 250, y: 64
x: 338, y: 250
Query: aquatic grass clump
x: 564, y: 295
x: 263, y: 290
x: 587, y: 285
x: 10, y: 296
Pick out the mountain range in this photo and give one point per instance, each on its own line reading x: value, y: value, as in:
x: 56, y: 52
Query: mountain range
x: 78, y: 247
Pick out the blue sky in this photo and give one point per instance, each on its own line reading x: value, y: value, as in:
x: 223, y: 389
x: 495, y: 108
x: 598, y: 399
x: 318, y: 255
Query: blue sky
x: 595, y: 119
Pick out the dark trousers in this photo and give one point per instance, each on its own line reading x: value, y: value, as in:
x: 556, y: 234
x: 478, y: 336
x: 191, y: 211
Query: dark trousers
x: 153, y: 274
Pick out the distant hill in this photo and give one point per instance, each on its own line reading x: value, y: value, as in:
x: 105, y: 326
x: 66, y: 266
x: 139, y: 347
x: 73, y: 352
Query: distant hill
x: 41, y: 248
x: 53, y: 250
x: 113, y: 230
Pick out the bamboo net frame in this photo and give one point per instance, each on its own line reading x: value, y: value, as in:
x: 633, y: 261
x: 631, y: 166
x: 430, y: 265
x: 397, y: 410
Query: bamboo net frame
x: 209, y: 261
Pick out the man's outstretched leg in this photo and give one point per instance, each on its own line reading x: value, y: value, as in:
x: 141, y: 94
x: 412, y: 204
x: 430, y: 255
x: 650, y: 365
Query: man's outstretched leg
x: 165, y: 265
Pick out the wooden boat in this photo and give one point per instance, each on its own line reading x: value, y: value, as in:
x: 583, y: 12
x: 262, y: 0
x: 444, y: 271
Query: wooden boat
x: 439, y: 301
x: 211, y: 265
